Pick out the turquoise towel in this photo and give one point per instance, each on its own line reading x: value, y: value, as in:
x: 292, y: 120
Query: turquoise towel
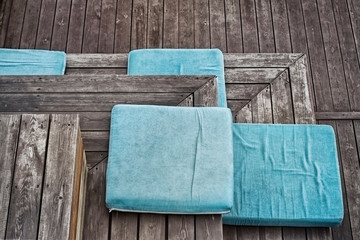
x: 285, y: 175
x: 170, y: 160
x: 31, y: 62
x: 180, y: 62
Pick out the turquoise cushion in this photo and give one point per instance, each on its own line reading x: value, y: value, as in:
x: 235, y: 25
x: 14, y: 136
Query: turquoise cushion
x: 285, y: 175
x: 180, y: 62
x: 31, y: 62
x: 170, y: 160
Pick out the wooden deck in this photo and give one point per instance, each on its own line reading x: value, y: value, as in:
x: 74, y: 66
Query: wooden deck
x: 327, y: 31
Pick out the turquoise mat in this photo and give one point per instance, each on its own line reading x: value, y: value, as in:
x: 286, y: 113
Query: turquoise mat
x: 180, y: 62
x: 170, y: 160
x: 31, y: 62
x: 285, y: 175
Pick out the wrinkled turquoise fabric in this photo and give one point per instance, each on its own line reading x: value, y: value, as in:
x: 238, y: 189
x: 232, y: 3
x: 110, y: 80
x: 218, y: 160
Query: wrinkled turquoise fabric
x: 170, y: 160
x: 285, y: 175
x: 31, y: 62
x: 180, y: 62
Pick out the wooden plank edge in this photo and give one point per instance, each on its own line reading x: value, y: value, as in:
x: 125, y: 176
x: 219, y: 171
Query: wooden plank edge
x: 82, y: 194
x: 337, y: 115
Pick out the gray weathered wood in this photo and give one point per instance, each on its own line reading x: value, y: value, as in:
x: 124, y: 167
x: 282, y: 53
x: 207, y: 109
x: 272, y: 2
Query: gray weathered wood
x: 139, y: 24
x: 186, y: 24
x: 101, y: 83
x: 60, y: 197
x: 261, y: 107
x: 96, y: 60
x: 31, y: 19
x: 337, y: 115
x: 155, y: 24
x: 245, y: 114
x: 107, y: 26
x: 61, y: 25
x: 24, y: 209
x: 294, y: 233
x: 152, y: 226
x: 123, y: 26
x: 253, y: 60
x: 217, y: 24
x: 181, y: 227
x: 248, y: 233
x: 9, y: 129
x: 229, y: 232
x: 206, y: 95
x: 264, y: 19
x: 243, y: 91
x: 249, y: 26
x: 281, y: 26
x: 76, y: 25
x: 171, y: 28
x: 252, y: 75
x: 233, y: 26
x: 201, y: 24
x: 124, y: 225
x: 91, y: 27
x: 208, y: 227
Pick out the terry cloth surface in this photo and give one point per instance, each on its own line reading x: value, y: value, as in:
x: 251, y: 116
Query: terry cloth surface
x: 170, y: 160
x: 285, y: 175
x: 31, y: 62
x: 180, y: 62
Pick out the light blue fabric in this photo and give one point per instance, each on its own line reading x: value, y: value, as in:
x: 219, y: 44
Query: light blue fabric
x: 170, y: 160
x: 31, y: 62
x: 285, y: 175
x: 180, y: 62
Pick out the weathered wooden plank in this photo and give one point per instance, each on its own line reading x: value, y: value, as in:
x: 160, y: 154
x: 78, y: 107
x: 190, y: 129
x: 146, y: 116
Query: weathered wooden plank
x: 281, y: 26
x: 261, y: 107
x: 249, y: 26
x: 188, y: 101
x: 76, y: 26
x: 5, y: 10
x: 24, y: 209
x: 107, y: 26
x: 96, y: 60
x: 265, y: 27
x: 44, y: 34
x: 62, y: 177
x: 96, y: 141
x: 201, y: 23
x: 233, y: 28
x: 344, y: 230
x: 294, y: 233
x: 252, y: 75
x: 95, y: 71
x: 82, y: 194
x: 303, y: 107
x: 181, y: 227
x: 281, y: 99
x: 92, y: 26
x: 68, y: 102
x: 123, y: 26
x: 317, y: 56
x: 61, y: 25
x: 208, y: 227
x: 94, y: 158
x: 217, y: 24
x: 348, y: 52
x: 207, y: 95
x: 139, y: 24
x: 124, y: 225
x: 354, y: 9
x: 253, y: 60
x: 333, y: 57
x: 9, y: 129
x: 244, y: 115
x: 318, y: 233
x: 96, y: 222
x: 15, y: 24
x: 243, y: 91
x: 236, y: 105
x: 229, y: 232
x: 102, y: 84
x: 350, y: 165
x: 271, y: 233
x: 186, y: 24
x: 31, y: 19
x: 337, y: 115
x: 152, y: 226
x: 248, y: 233
x: 171, y: 27
x: 155, y: 24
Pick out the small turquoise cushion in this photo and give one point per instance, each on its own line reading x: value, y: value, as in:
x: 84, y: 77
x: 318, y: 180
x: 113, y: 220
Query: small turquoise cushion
x: 170, y: 160
x: 285, y: 175
x: 180, y: 62
x: 31, y: 62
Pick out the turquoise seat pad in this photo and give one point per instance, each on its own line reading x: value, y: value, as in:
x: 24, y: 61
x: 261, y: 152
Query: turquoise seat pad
x: 180, y: 62
x: 285, y: 175
x: 31, y: 62
x: 170, y: 160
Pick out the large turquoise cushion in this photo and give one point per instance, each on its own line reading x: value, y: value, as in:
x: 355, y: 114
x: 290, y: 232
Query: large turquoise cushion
x: 31, y: 62
x: 170, y: 160
x: 180, y: 62
x: 285, y: 175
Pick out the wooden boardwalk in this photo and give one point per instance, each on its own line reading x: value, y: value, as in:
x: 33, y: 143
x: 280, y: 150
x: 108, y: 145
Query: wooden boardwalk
x: 327, y: 31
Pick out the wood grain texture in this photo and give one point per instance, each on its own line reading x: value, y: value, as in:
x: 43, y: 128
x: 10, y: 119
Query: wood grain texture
x: 234, y: 40
x: 76, y: 26
x: 152, y: 226
x: 249, y: 26
x: 155, y: 24
x: 186, y: 24
x: 60, y: 197
x: 207, y: 95
x: 281, y: 26
x: 208, y: 227
x: 31, y: 19
x: 9, y: 128
x: 171, y: 26
x: 139, y: 24
x: 123, y: 26
x: 15, y: 24
x: 107, y: 26
x: 61, y: 25
x: 217, y: 25
x: 92, y: 27
x: 264, y: 19
x: 243, y: 91
x: 124, y: 225
x: 181, y: 227
x: 25, y: 205
x: 202, y: 24
x: 44, y: 34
